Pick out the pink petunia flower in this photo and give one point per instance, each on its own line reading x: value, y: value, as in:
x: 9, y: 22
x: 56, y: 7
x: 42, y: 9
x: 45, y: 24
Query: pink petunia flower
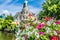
x: 27, y: 24
x: 23, y: 28
x: 41, y: 33
x: 41, y: 25
x: 25, y: 37
x: 57, y: 22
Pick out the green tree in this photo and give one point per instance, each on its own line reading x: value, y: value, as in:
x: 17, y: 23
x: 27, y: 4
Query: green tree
x: 1, y: 22
x: 52, y: 8
x: 7, y: 24
x: 10, y: 17
x: 41, y: 15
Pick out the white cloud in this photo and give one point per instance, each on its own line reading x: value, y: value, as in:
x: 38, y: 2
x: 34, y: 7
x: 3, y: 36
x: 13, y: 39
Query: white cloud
x: 34, y: 9
x: 6, y: 12
x: 11, y: 8
x: 5, y: 2
x: 8, y: 1
x: 14, y: 8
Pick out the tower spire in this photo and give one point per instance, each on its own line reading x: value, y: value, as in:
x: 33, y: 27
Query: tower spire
x: 25, y: 3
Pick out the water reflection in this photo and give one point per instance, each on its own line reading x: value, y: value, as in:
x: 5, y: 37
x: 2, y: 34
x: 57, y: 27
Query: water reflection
x: 7, y: 36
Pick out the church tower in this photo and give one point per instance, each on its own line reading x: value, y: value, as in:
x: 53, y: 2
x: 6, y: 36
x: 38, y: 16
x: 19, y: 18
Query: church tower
x: 25, y: 4
x: 25, y: 7
x: 25, y: 13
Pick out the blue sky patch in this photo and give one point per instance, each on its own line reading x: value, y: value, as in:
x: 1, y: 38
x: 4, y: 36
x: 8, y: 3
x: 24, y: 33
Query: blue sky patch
x: 14, y: 6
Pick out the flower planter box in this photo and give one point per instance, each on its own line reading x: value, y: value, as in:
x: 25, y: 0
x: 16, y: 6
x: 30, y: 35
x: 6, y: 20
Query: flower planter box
x: 54, y: 38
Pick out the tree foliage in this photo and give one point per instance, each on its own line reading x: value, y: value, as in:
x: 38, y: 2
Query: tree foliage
x: 7, y: 24
x: 51, y: 8
x: 10, y: 17
x: 41, y: 15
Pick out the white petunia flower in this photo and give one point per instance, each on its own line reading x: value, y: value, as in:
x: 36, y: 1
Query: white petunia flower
x: 50, y: 22
x: 55, y: 33
x: 18, y: 38
x: 29, y: 34
x: 37, y: 35
x: 48, y: 30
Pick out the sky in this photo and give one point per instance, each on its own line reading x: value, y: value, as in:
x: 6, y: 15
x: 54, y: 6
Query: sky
x: 13, y: 6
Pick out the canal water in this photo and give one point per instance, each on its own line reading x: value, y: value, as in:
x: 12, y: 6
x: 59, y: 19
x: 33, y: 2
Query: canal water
x: 7, y: 36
